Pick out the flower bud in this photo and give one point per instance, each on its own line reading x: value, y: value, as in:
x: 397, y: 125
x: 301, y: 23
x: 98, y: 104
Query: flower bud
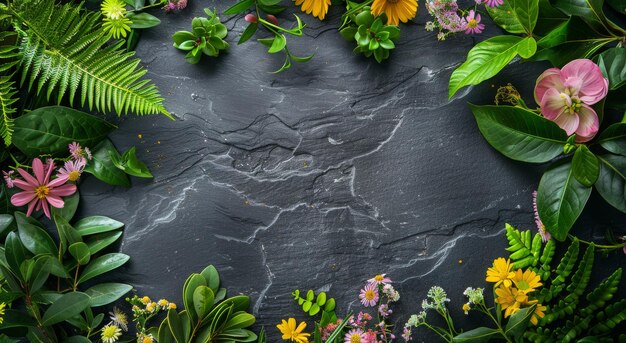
x: 272, y: 19
x: 251, y: 18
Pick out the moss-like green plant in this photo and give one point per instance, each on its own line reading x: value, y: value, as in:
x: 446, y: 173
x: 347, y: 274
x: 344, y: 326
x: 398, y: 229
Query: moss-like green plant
x: 207, y: 37
x: 371, y: 36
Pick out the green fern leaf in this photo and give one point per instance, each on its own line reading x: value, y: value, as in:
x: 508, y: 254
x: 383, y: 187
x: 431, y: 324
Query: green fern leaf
x: 546, y: 259
x: 563, y: 270
x: 65, y: 51
x: 9, y: 57
x: 581, y: 278
x: 603, y: 293
x: 520, y: 247
x: 610, y: 317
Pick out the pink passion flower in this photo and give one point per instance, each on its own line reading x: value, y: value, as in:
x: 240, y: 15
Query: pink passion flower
x: 566, y: 95
x: 39, y: 191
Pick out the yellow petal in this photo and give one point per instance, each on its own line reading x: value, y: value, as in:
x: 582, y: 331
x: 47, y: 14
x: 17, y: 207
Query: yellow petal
x: 292, y: 324
x: 301, y: 327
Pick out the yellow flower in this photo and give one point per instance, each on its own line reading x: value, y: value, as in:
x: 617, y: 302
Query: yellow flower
x: 290, y: 332
x: 117, y: 27
x: 538, y: 314
x: 171, y: 306
x: 318, y: 7
x: 526, y: 281
x: 114, y: 9
x: 510, y: 299
x: 466, y: 308
x: 2, y: 306
x: 110, y: 333
x: 396, y: 10
x: 162, y: 303
x: 146, y: 300
x: 150, y: 307
x: 147, y: 339
x: 500, y: 272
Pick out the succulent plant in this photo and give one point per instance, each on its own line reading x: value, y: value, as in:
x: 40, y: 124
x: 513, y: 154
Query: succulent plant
x: 371, y: 36
x: 207, y: 37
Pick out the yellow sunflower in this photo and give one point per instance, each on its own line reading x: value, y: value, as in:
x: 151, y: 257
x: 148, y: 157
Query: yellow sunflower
x: 291, y: 333
x: 526, y: 281
x: 510, y: 299
x: 396, y: 10
x: 319, y: 8
x: 500, y: 273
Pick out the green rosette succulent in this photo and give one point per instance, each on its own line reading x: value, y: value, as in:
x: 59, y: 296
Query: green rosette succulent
x: 371, y: 36
x: 207, y: 37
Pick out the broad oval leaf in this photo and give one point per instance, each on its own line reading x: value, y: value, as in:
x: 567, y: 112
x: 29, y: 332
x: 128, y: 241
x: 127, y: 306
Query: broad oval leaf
x: 487, y: 58
x: 560, y: 199
x: 101, y: 241
x: 481, y: 334
x: 240, y: 321
x: 612, y: 62
x: 142, y: 20
x: 34, y: 238
x: 103, y: 264
x: 70, y: 205
x: 96, y: 224
x: 203, y: 298
x: 520, y: 134
x: 106, y: 293
x: 193, y: 281
x: 102, y: 166
x: 505, y: 17
x: 80, y: 252
x: 49, y: 130
x: 611, y: 183
x: 212, y: 277
x: 586, y: 166
x: 613, y: 138
x: 176, y: 326
x: 65, y: 307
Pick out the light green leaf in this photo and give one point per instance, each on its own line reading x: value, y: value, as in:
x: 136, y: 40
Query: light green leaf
x: 505, y: 17
x: 80, y: 252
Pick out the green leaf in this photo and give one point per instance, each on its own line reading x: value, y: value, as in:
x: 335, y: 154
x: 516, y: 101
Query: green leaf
x: 519, y: 322
x: 176, y: 327
x: 16, y: 319
x: 202, y: 301
x: 15, y: 253
x: 248, y: 33
x: 212, y: 278
x: 6, y: 223
x: 321, y: 299
x: 527, y: 12
x: 80, y: 252
x: 278, y: 44
x: 315, y: 308
x: 612, y: 62
x: 103, y: 264
x: 239, y: 7
x: 239, y: 321
x: 481, y: 334
x: 586, y: 166
x: 330, y: 305
x: 142, y: 20
x: 487, y: 58
x: 49, y: 130
x: 591, y: 12
x: 106, y: 293
x: 96, y: 224
x: 69, y: 207
x: 520, y: 134
x: 101, y: 241
x: 34, y: 238
x: 66, y: 307
x: 613, y: 139
x: 560, y: 199
x: 191, y: 284
x: 611, y: 183
x: 505, y: 17
x: 102, y: 167
x: 130, y: 164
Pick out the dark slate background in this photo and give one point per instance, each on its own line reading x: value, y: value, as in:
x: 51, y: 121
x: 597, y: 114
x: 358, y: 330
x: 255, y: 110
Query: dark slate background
x: 321, y: 176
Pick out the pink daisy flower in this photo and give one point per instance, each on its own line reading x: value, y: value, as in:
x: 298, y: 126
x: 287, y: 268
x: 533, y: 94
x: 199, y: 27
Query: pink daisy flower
x: 355, y: 336
x: 39, y: 191
x: 379, y: 279
x: 72, y: 169
x: 473, y: 23
x: 8, y: 178
x: 369, y: 295
x: 545, y: 235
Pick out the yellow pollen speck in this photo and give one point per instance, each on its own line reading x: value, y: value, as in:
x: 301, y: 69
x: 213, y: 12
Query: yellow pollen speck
x: 460, y: 261
x: 158, y: 142
x: 140, y: 136
x: 42, y: 192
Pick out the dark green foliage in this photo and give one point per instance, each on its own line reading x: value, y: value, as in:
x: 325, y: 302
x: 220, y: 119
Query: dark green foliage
x: 9, y: 55
x: 371, y: 35
x: 65, y: 52
x: 207, y: 37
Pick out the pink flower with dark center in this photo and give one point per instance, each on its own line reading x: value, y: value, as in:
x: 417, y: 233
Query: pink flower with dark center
x: 272, y: 19
x: 473, y: 23
x: 355, y: 336
x: 494, y: 3
x: 39, y: 191
x: 545, y: 235
x: 8, y: 178
x: 566, y: 95
x: 73, y: 169
x: 369, y: 295
x: 251, y: 18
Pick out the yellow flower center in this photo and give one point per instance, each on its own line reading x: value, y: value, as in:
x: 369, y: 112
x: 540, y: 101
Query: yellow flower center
x: 379, y: 278
x: 393, y: 1
x: 370, y: 295
x: 523, y: 285
x: 74, y: 175
x: 472, y: 23
x: 355, y: 338
x: 109, y: 332
x: 42, y: 192
x: 147, y: 339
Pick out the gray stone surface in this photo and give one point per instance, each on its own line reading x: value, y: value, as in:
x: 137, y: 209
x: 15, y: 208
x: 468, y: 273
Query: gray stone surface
x: 321, y: 176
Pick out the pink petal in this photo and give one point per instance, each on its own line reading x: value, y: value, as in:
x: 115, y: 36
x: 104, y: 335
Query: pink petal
x: 63, y: 191
x: 589, y: 124
x: 29, y: 178
x: 58, y: 181
x: 55, y: 201
x: 39, y: 171
x: 568, y: 122
x: 593, y: 85
x: 49, y: 172
x: 31, y: 207
x: 554, y: 103
x: 46, y: 209
x: 24, y: 185
x: 550, y: 78
x: 22, y: 198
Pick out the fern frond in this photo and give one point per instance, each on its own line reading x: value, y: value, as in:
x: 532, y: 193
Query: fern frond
x: 8, y: 59
x: 610, y: 317
x: 563, y: 270
x: 65, y: 51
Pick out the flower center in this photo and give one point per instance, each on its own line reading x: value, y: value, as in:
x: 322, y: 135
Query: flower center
x: 42, y: 192
x: 472, y: 23
x: 369, y: 295
x: 523, y: 285
x: 393, y: 1
x: 74, y: 175
x: 355, y: 338
x: 379, y: 278
x: 109, y: 332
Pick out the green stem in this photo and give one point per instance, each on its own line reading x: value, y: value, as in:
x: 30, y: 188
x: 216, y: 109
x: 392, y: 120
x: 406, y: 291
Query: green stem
x: 608, y: 247
x: 160, y: 3
x: 500, y: 329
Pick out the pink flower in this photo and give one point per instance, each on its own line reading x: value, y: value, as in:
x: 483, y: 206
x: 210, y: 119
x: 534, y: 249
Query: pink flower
x: 181, y: 4
x: 39, y: 191
x: 251, y: 18
x: 565, y: 96
x: 370, y: 336
x: 8, y: 178
x: 73, y: 169
x: 169, y: 7
x: 473, y: 23
x: 494, y: 3
x: 79, y: 152
x: 272, y: 19
x: 384, y: 310
x: 379, y: 279
x: 355, y: 336
x: 369, y: 295
x: 545, y: 235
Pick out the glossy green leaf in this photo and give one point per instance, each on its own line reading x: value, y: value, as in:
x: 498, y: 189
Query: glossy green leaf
x: 49, y: 130
x: 240, y: 321
x: 69, y: 207
x: 15, y: 252
x: 505, y: 17
x: 96, y: 224
x: 611, y: 183
x: 586, y: 166
x: 39, y: 273
x: 612, y: 62
x: 613, y: 139
x: 193, y: 281
x: 239, y: 7
x: 212, y: 277
x: 16, y: 319
x: 142, y: 20
x: 520, y: 134
x: 6, y: 223
x: 67, y: 234
x: 203, y: 298
x: 106, y: 293
x: 591, y: 12
x: 66, y: 307
x: 278, y: 44
x: 103, y: 264
x: 487, y: 58
x: 527, y: 12
x: 130, y: 164
x: 102, y: 167
x: 34, y: 238
x: 481, y: 334
x: 560, y: 199
x: 80, y: 252
x: 330, y: 305
x: 248, y: 33
x: 176, y: 326
x: 101, y: 241
x: 518, y: 322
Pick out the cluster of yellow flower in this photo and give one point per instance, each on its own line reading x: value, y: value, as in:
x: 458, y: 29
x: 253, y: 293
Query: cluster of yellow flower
x: 513, y: 288
x: 150, y: 306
